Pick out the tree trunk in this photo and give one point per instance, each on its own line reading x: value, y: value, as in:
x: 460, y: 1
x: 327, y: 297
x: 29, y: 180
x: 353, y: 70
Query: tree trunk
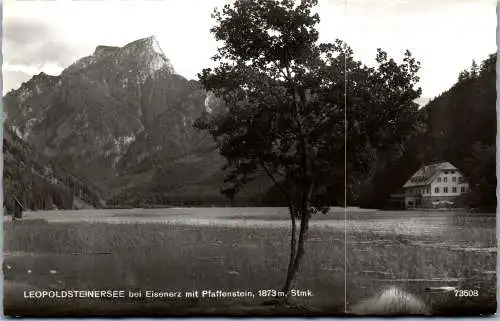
x: 304, y: 229
x: 305, y: 216
x: 293, y: 249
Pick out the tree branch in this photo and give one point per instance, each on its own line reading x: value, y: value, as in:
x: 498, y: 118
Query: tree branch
x: 302, y: 143
x: 275, y: 181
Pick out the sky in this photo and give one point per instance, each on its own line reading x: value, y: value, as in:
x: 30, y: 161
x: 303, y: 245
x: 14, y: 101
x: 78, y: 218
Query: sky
x: 49, y: 35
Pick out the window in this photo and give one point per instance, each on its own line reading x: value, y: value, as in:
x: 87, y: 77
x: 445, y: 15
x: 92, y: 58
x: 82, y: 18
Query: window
x: 445, y: 179
x: 445, y: 190
x: 454, y: 190
x: 462, y: 189
x: 436, y: 190
x: 454, y: 179
x: 439, y: 179
x: 428, y: 190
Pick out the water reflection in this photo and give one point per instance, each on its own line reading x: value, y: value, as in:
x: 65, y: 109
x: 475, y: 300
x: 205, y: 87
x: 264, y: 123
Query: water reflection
x: 418, y: 223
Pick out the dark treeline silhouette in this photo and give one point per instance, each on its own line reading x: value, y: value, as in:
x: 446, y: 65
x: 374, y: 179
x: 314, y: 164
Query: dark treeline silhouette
x: 461, y: 129
x: 37, y: 183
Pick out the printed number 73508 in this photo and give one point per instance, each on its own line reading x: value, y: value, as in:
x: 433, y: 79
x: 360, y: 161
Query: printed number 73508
x: 465, y: 293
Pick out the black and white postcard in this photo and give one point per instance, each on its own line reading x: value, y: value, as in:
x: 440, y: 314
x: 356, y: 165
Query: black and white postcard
x: 249, y: 157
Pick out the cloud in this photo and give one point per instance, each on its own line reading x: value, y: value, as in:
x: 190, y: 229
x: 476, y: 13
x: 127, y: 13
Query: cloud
x: 33, y: 43
x: 22, y: 31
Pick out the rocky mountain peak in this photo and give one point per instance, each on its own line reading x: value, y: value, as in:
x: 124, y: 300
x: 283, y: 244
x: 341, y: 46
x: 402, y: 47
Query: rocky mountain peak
x: 36, y: 84
x: 105, y: 50
x: 148, y: 49
x: 145, y: 52
x: 145, y: 44
x: 115, y: 112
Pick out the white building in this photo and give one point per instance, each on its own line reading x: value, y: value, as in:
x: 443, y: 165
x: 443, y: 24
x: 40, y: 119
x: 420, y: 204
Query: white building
x: 435, y: 185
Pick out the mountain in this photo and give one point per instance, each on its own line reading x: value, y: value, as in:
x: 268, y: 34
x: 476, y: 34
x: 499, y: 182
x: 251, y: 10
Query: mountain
x: 463, y: 128
x: 89, y: 116
x: 33, y: 180
x: 123, y: 119
x: 460, y: 128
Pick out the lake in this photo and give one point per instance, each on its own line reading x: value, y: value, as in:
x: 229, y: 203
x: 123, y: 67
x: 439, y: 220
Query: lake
x: 247, y: 248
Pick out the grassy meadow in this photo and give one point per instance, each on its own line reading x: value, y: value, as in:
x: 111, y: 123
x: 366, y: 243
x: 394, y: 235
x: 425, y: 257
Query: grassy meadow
x: 176, y: 257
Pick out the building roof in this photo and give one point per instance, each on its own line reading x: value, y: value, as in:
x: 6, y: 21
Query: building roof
x: 426, y: 174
